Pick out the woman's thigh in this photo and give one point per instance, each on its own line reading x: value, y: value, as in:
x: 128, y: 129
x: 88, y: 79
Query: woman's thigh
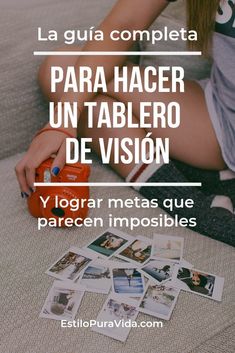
x: 194, y: 141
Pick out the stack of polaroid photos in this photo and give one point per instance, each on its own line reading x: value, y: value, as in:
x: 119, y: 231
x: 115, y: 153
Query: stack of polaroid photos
x: 138, y: 274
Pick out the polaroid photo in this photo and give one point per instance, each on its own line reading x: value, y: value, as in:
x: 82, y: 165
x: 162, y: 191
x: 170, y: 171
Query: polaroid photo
x: 127, y: 280
x: 108, y: 243
x: 96, y: 277
x: 199, y: 282
x: 70, y: 264
x: 63, y: 301
x: 116, y: 312
x: 159, y: 300
x: 159, y: 271
x: 168, y: 247
x: 138, y: 251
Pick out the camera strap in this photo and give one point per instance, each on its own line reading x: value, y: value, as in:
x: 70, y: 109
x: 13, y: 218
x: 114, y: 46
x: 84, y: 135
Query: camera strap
x: 53, y: 129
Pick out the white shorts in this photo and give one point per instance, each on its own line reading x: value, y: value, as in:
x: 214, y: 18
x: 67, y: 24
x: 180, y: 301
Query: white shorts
x: 207, y: 88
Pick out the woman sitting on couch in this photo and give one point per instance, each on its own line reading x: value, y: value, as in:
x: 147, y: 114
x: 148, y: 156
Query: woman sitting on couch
x: 205, y: 139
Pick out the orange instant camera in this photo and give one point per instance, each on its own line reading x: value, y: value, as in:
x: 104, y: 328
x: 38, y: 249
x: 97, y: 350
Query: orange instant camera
x: 74, y: 173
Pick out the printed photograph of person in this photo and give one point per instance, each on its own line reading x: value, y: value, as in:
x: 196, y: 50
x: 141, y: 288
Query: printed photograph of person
x: 127, y: 281
x: 62, y: 302
x: 69, y: 266
x: 159, y: 301
x: 108, y: 243
x: 168, y: 247
x: 116, y: 309
x: 198, y: 282
x: 158, y: 270
x: 96, y: 278
x: 139, y: 251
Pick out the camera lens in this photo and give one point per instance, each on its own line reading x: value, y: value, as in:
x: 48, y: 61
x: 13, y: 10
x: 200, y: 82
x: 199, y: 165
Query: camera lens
x: 58, y: 212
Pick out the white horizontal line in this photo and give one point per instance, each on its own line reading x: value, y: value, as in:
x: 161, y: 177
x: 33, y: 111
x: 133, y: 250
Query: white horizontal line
x: 113, y: 53
x: 120, y: 184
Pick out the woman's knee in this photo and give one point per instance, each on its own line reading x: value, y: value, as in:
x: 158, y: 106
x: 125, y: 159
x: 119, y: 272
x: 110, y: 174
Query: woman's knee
x: 44, y: 71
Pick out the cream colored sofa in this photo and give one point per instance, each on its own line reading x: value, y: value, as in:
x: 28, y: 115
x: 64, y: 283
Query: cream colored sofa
x: 198, y: 325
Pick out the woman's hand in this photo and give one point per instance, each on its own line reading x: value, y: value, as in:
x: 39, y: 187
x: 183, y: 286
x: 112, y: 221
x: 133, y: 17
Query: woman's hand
x: 41, y: 148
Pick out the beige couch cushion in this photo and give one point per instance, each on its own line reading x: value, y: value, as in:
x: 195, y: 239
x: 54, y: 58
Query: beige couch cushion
x: 26, y: 253
x: 22, y: 111
x: 197, y: 324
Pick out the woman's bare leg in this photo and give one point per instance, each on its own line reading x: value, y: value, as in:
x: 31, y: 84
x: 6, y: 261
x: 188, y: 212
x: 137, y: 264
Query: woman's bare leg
x: 194, y: 142
x: 106, y: 133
